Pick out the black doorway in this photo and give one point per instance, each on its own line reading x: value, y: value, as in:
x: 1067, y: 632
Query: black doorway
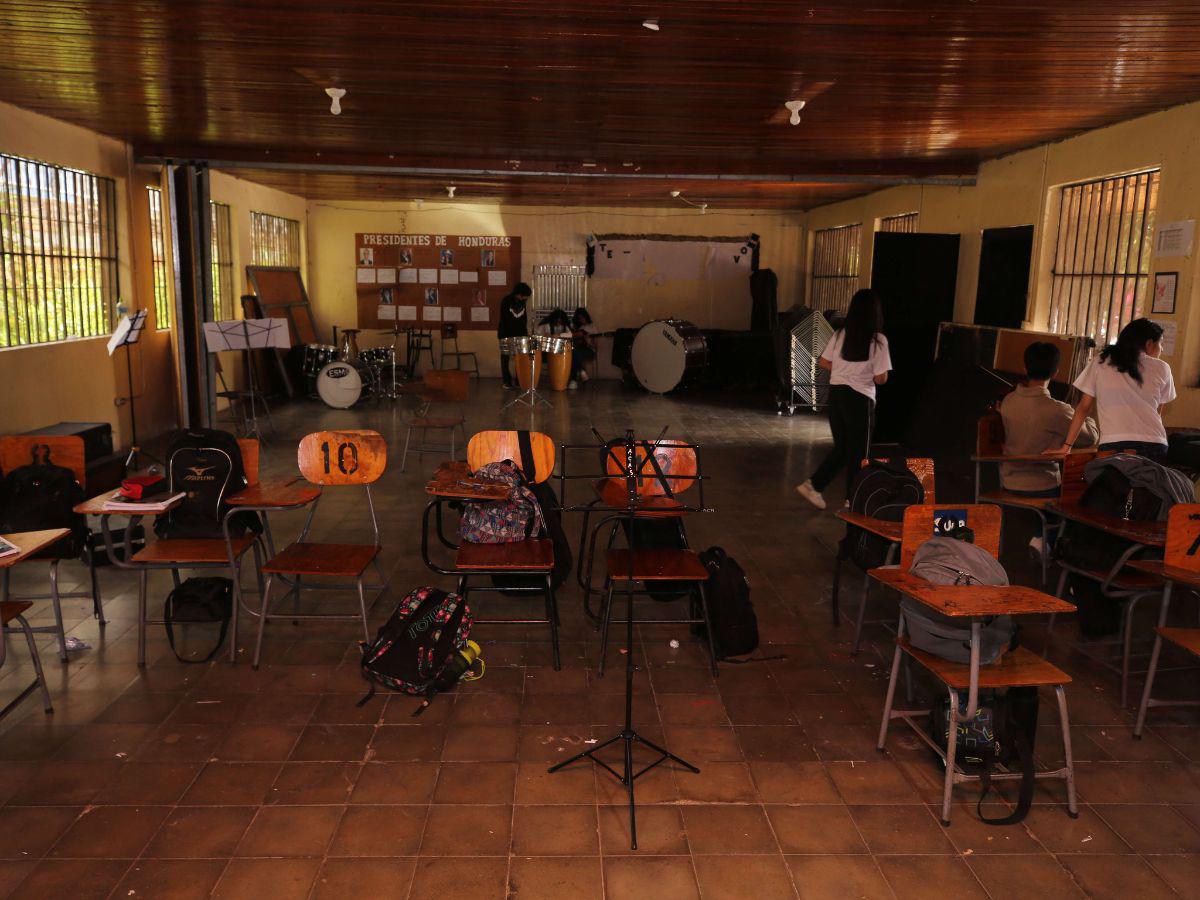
x: 1003, y: 290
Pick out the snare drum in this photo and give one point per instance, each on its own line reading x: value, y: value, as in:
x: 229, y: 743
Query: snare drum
x: 343, y: 383
x: 515, y: 346
x: 666, y: 353
x: 316, y: 356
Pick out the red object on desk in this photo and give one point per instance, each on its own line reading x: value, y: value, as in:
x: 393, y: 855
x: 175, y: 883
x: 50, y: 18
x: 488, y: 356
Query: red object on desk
x: 142, y: 487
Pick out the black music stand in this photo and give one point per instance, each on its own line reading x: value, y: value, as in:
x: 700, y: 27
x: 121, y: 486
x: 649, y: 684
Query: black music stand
x: 628, y: 734
x: 127, y: 333
x: 247, y: 335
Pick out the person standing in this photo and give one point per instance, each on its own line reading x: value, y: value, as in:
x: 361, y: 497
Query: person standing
x: 857, y: 360
x: 514, y: 322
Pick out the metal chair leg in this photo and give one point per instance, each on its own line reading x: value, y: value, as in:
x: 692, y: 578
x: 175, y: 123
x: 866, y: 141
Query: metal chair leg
x: 262, y: 622
x: 37, y: 663
x: 404, y: 455
x: 708, y: 629
x: 237, y: 604
x: 1069, y: 760
x: 1144, y: 706
x: 362, y: 602
x: 97, y: 603
x: 833, y: 600
x: 889, y: 699
x: 1127, y: 647
x: 862, y: 615
x: 951, y: 747
x: 56, y: 603
x: 552, y: 615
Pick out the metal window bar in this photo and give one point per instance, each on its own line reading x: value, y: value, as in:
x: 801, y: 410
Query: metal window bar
x: 904, y: 223
x: 274, y: 240
x: 1101, y: 270
x: 58, y: 252
x: 835, y: 266
x: 222, y: 261
x: 158, y: 259
x: 559, y: 287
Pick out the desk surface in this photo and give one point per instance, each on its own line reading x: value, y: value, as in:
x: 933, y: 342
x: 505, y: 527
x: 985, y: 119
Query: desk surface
x: 968, y: 601
x: 1160, y: 569
x: 95, y: 507
x: 885, y: 529
x: 280, y: 494
x: 1150, y: 534
x: 454, y: 480
x: 31, y: 542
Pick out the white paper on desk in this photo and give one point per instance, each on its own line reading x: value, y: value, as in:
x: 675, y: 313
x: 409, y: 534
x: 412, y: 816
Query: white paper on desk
x: 433, y: 314
x: 480, y: 313
x: 1168, y: 337
x: 385, y: 311
x: 428, y: 276
x: 406, y: 313
x: 449, y: 276
x: 406, y: 276
x: 451, y: 313
x: 366, y: 276
x: 468, y: 277
x: 497, y: 277
x: 385, y: 276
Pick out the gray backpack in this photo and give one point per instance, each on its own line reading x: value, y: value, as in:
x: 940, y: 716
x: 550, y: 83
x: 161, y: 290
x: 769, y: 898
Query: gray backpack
x: 946, y: 560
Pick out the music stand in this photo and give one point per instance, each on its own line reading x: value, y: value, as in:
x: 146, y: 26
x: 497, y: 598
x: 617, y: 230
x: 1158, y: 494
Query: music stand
x: 127, y: 333
x: 247, y: 335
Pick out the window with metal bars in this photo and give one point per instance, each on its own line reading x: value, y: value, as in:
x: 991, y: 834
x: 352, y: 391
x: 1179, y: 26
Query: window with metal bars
x: 222, y: 261
x: 1101, y: 268
x: 835, y: 267
x: 58, y: 253
x: 158, y: 259
x: 274, y: 240
x: 904, y: 223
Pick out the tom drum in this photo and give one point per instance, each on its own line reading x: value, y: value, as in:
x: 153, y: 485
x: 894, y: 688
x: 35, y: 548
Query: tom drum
x: 666, y: 353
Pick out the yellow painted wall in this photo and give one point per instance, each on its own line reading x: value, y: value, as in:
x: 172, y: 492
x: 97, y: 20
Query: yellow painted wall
x: 556, y: 235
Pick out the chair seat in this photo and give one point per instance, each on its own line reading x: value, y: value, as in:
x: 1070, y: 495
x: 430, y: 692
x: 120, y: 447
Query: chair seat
x: 1126, y: 580
x: 613, y: 493
x: 656, y: 565
x: 1187, y: 638
x: 535, y: 554
x: 1008, y: 498
x: 437, y: 422
x: 192, y: 550
x: 346, y: 560
x: 10, y: 609
x: 1017, y: 668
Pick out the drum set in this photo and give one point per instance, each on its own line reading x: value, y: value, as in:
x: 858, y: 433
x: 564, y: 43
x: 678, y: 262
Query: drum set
x: 342, y: 376
x: 533, y: 353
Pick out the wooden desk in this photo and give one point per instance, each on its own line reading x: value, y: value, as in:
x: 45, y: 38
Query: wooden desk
x: 29, y: 543
x: 971, y: 601
x: 453, y: 481
x: 95, y: 507
x: 276, y: 495
x: 890, y: 531
x: 1148, y: 534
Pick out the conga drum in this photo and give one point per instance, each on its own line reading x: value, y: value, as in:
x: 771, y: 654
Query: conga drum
x: 528, y: 360
x: 558, y: 360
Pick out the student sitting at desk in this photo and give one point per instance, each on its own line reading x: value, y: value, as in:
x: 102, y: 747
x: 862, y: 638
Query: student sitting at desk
x: 1034, y: 422
x: 583, y: 334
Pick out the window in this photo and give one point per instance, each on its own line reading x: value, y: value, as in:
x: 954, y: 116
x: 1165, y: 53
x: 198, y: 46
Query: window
x: 1102, y: 255
x: 222, y: 262
x: 835, y: 267
x: 58, y: 253
x: 904, y: 223
x: 274, y: 241
x: 158, y: 258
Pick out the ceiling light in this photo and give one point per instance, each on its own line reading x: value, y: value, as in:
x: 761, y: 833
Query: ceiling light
x: 794, y: 107
x: 650, y: 24
x: 450, y: 191
x: 335, y: 94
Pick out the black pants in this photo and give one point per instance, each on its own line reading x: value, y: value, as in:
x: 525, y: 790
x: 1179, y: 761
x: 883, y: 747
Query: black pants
x: 1156, y: 452
x: 505, y: 371
x: 850, y: 417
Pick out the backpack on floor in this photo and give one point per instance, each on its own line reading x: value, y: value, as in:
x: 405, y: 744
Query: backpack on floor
x: 42, y: 496
x: 416, y: 650
x: 734, y: 624
x: 206, y: 465
x: 502, y: 521
x: 882, y: 490
x: 199, y: 601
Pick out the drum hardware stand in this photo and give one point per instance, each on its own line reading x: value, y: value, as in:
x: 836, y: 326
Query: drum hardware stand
x: 530, y: 397
x: 127, y: 333
x: 628, y: 734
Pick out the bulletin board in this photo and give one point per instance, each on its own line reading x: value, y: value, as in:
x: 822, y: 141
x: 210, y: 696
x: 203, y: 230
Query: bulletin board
x: 428, y: 279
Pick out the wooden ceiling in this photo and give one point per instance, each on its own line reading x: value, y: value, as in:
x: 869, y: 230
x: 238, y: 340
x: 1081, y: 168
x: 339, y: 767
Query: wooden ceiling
x: 896, y: 88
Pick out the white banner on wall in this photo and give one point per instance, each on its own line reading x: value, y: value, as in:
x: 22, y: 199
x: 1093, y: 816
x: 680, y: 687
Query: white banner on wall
x: 636, y: 259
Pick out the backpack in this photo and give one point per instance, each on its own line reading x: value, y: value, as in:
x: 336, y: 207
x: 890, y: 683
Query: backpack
x: 735, y: 627
x: 1003, y: 731
x: 198, y: 601
x: 882, y: 490
x: 947, y: 560
x: 206, y: 465
x: 502, y: 521
x: 416, y: 649
x: 42, y: 496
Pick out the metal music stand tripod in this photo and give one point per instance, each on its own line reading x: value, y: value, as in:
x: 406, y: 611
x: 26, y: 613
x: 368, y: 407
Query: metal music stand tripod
x: 531, y: 397
x: 127, y: 333
x: 628, y: 734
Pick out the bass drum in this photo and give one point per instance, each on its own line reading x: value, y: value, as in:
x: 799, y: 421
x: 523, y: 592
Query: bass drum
x: 666, y: 353
x: 343, y: 383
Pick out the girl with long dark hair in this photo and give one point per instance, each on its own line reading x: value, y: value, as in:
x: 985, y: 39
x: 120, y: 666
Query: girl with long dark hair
x: 857, y: 360
x: 1129, y: 385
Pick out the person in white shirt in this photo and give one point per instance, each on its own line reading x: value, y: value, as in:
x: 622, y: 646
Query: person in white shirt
x: 857, y: 360
x: 1129, y: 385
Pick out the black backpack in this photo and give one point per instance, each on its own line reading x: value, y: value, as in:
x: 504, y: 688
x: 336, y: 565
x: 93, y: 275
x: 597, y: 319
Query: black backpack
x: 734, y: 624
x: 199, y: 601
x: 551, y: 518
x: 206, y: 464
x: 42, y: 496
x: 882, y: 490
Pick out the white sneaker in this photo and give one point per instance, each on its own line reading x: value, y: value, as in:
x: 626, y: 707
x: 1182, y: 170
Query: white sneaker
x: 1035, y: 546
x: 811, y: 494
x: 583, y: 375
x: 572, y: 385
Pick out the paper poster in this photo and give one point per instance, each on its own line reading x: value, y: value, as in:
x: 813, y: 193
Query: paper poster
x: 406, y: 313
x: 385, y: 276
x: 432, y: 314
x: 497, y: 277
x: 428, y: 276
x: 468, y: 277
x: 1168, y: 339
x: 366, y: 276
x: 386, y: 312
x: 452, y: 314
x: 449, y: 276
x: 479, y: 314
x: 406, y: 276
x: 1175, y: 238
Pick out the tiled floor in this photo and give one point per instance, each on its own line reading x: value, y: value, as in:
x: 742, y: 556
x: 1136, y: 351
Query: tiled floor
x: 186, y: 781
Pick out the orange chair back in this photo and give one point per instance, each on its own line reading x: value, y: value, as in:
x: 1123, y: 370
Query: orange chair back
x: 989, y: 436
x: 1183, y: 537
x: 919, y: 526
x: 678, y: 465
x: 495, y: 446
x: 342, y: 457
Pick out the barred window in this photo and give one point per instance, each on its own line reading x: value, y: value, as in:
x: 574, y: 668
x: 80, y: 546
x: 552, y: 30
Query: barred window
x: 158, y: 258
x: 58, y: 253
x: 904, y: 223
x: 222, y: 262
x: 274, y: 240
x: 835, y: 267
x: 1102, y: 255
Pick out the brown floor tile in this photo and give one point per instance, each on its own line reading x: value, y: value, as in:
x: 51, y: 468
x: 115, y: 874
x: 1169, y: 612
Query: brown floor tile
x: 729, y: 876
x: 181, y: 743
x: 480, y: 743
x: 775, y: 743
x: 380, y: 831
x: 914, y: 876
x: 754, y: 709
x: 254, y: 742
x: 659, y: 785
x: 151, y: 783
x: 1024, y: 876
x: 393, y: 782
x: 1059, y: 833
x: 551, y: 744
x: 467, y: 831
x: 422, y: 743
x: 1182, y: 872
x: 974, y: 836
x: 231, y: 784
x: 454, y: 877
x: 555, y: 831
x: 1116, y: 877
x: 872, y: 782
x: 332, y: 743
x: 80, y: 879
x: 13, y: 872
x: 342, y: 709
x: 553, y: 878
x: 554, y: 709
x: 278, y: 709
x: 104, y: 742
x: 486, y: 709
x: 306, y: 783
x: 200, y: 832
x: 806, y: 782
x: 544, y: 680
x: 900, y: 829
x: 290, y: 831
x: 1152, y: 829
x: 704, y: 742
x: 1152, y: 782
x: 815, y: 829
x: 279, y: 879
x: 488, y: 782
x: 719, y: 782
x: 34, y: 740
x: 575, y: 784
x: 659, y: 831
x: 138, y: 707
x: 55, y: 783
x: 661, y: 877
x: 374, y: 878
x: 692, y: 709
x: 838, y: 877
x: 110, y: 832
x: 208, y: 708
x: 728, y: 829
x: 29, y: 832
x: 171, y: 879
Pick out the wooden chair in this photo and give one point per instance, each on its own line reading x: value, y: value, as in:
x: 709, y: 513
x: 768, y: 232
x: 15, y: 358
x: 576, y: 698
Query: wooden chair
x: 450, y: 337
x: 923, y: 469
x: 420, y: 342
x: 66, y: 451
x: 1017, y: 668
x: 28, y: 544
x: 446, y: 386
x: 329, y: 459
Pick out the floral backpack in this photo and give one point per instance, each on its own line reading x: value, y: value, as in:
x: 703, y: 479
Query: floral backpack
x: 502, y: 521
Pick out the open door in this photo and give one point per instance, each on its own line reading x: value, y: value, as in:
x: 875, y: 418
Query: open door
x: 1004, y: 260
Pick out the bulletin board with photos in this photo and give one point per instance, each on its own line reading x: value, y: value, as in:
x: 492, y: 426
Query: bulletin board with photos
x: 428, y: 279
